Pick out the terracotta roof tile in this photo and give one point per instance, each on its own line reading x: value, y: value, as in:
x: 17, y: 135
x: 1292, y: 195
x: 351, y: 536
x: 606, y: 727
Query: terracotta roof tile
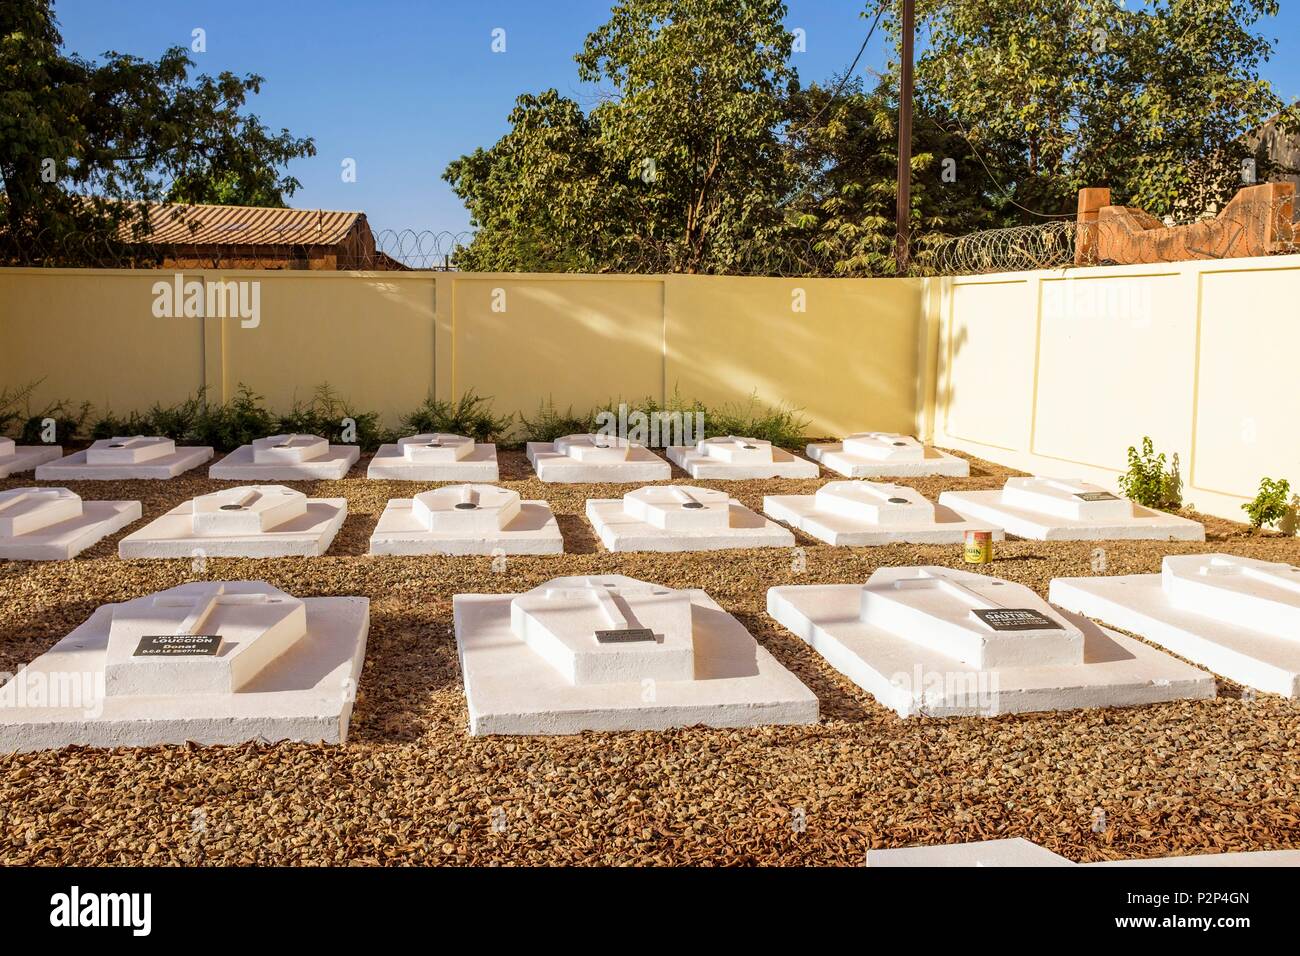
x: 244, y: 225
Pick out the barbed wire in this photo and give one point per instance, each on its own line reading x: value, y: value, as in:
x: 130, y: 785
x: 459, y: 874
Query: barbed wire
x: 1258, y: 228
x: 392, y: 250
x: 1272, y: 226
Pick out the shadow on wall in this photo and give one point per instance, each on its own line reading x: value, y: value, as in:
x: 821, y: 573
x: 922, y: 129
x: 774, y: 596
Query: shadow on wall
x: 522, y: 339
x: 844, y: 351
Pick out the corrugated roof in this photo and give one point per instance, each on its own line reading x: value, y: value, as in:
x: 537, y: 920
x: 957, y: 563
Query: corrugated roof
x: 244, y: 225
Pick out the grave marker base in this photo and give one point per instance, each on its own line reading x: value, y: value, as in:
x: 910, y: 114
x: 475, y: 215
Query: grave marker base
x: 1138, y: 603
x: 702, y: 466
x: 239, y: 466
x: 391, y: 463
x: 172, y: 535
x: 67, y: 539
x: 1146, y: 524
x: 303, y: 695
x: 800, y: 512
x: 913, y: 680
x: 20, y: 458
x: 533, y: 531
x: 832, y: 456
x: 619, y: 531
x: 75, y: 467
x: 641, y: 465
x: 511, y: 689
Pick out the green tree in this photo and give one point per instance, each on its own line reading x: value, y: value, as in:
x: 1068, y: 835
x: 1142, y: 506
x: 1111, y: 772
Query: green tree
x: 1154, y: 99
x: 678, y: 167
x: 844, y: 143
x: 78, y: 137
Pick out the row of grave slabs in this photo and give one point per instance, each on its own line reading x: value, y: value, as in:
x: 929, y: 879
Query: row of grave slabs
x: 225, y: 662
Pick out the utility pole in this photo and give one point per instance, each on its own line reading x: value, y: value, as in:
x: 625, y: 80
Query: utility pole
x: 904, y: 211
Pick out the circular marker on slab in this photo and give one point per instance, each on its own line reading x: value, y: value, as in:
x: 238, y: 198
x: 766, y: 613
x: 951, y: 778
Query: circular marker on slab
x: 465, y: 506
x: 693, y: 504
x: 898, y: 501
x: 232, y: 507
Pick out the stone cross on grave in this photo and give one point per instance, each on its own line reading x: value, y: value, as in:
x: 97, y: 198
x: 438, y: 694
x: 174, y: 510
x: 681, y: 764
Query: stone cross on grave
x: 203, y: 602
x: 1225, y: 566
x: 685, y: 498
x: 928, y: 581
x: 606, y: 596
x: 38, y: 495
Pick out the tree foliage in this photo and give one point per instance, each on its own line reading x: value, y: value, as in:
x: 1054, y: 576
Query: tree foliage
x: 844, y: 142
x: 704, y: 152
x: 679, y: 165
x: 79, y: 137
x: 1155, y: 99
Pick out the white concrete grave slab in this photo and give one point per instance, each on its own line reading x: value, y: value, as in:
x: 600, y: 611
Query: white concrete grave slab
x: 739, y: 458
x: 467, y: 519
x: 1020, y: 852
x: 886, y: 455
x: 595, y: 458
x: 858, y: 513
x: 941, y: 642
x: 1063, y: 509
x: 286, y: 458
x: 208, y: 662
x: 15, y: 458
x: 54, y: 524
x: 681, y: 518
x: 117, y: 459
x: 253, y: 521
x: 613, y: 653
x: 435, y: 456
x: 1240, y: 617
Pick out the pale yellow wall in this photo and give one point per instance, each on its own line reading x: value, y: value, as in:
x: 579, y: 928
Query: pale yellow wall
x: 848, y: 351
x: 1058, y: 372
x: 576, y: 340
x: 844, y: 350
x: 1052, y: 372
x: 92, y: 336
x: 370, y: 336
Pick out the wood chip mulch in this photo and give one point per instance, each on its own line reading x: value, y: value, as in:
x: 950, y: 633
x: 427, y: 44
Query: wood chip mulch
x: 411, y: 787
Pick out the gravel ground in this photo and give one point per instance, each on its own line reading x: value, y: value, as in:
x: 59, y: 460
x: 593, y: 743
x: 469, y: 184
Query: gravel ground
x: 411, y: 787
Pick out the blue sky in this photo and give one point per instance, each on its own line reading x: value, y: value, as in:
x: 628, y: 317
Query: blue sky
x: 404, y: 86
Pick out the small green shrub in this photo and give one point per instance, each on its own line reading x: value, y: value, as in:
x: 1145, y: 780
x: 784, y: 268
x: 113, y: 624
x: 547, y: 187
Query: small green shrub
x: 1271, y: 505
x: 14, y: 404
x: 550, y: 423
x: 324, y: 415
x: 470, y: 415
x: 781, y: 425
x: 179, y: 422
x: 69, y: 421
x: 16, y: 410
x: 237, y: 422
x: 1150, y: 480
